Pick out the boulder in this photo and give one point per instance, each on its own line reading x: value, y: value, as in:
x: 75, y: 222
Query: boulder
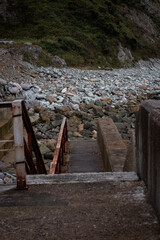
x: 34, y: 119
x: 13, y: 90
x: 124, y: 54
x: 26, y: 86
x: 3, y: 82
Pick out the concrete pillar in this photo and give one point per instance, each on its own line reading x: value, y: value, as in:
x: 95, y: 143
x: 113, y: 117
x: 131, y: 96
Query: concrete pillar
x: 148, y: 149
x: 154, y: 159
x: 142, y: 137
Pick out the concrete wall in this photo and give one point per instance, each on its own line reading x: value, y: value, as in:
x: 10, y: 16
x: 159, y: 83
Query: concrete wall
x: 148, y: 149
x: 130, y: 164
x: 111, y: 145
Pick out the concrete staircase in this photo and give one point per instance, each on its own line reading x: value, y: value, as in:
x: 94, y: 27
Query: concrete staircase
x: 84, y: 156
x: 85, y: 203
x: 80, y: 206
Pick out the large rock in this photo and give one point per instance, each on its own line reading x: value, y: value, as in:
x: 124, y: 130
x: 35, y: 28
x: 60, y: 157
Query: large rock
x: 59, y: 61
x: 124, y: 54
x: 98, y: 111
x: 13, y: 90
x: 51, y: 99
x: 32, y: 103
x: 49, y: 143
x: 3, y: 82
x: 34, y: 119
x: 26, y: 86
x: 44, y: 149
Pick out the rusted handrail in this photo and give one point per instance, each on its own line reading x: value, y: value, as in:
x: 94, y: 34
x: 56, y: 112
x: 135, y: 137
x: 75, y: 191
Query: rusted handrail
x: 22, y: 149
x: 60, y: 149
x: 32, y: 142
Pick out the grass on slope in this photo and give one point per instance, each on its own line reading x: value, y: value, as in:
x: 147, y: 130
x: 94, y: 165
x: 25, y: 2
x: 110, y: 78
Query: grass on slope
x: 83, y: 32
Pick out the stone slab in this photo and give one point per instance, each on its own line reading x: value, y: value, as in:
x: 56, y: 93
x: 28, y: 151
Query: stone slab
x: 81, y: 178
x: 111, y: 144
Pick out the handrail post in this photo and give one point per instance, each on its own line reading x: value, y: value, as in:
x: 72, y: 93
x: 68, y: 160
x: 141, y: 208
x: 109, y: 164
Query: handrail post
x: 19, y: 144
x: 58, y: 159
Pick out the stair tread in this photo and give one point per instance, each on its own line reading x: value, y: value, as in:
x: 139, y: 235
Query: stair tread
x: 85, y: 156
x: 81, y: 177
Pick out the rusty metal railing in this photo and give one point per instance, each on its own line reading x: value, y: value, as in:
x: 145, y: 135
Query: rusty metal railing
x: 58, y: 159
x: 23, y: 150
x: 32, y: 145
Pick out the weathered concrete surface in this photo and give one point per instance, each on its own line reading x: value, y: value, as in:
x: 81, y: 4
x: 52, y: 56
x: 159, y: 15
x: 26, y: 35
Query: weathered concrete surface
x: 81, y: 178
x: 130, y: 162
x: 111, y: 144
x: 148, y: 149
x: 6, y: 187
x: 142, y: 137
x: 84, y: 211
x: 154, y: 159
x: 85, y: 156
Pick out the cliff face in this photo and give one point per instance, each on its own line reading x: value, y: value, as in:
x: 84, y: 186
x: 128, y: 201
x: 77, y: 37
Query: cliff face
x: 92, y: 32
x: 3, y: 9
x: 153, y: 7
x: 5, y: 13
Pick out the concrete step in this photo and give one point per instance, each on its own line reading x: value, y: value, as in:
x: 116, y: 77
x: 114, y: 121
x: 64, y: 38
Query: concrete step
x: 81, y: 178
x: 85, y: 156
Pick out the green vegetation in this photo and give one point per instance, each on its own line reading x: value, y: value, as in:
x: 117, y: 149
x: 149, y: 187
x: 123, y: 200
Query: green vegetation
x: 42, y: 60
x: 83, y: 32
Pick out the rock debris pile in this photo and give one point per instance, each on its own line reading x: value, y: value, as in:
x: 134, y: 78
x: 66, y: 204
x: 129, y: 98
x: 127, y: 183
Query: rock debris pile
x: 55, y: 88
x: 6, y: 178
x: 82, y: 96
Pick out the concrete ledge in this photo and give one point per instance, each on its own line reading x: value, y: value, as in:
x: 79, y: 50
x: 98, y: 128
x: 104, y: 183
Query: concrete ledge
x: 6, y: 187
x: 81, y: 178
x: 111, y: 145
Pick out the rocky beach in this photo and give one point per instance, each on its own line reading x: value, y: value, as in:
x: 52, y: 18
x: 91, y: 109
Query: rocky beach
x: 82, y: 96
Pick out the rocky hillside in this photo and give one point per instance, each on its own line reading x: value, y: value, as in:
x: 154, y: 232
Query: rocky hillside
x: 101, y: 33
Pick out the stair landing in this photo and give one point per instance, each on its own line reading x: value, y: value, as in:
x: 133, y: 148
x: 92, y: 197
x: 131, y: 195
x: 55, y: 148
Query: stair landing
x: 112, y: 210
